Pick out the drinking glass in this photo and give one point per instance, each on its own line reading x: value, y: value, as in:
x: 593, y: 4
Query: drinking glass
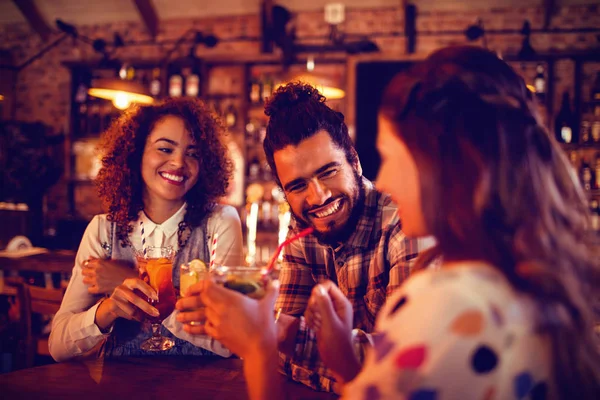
x: 191, y: 273
x: 250, y: 281
x: 155, y: 266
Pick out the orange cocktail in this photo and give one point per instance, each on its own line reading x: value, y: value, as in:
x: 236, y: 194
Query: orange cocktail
x: 156, y: 269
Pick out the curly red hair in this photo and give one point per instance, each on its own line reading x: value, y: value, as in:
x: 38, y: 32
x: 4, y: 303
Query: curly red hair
x: 120, y: 183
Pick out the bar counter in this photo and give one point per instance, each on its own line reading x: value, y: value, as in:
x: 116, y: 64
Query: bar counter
x: 140, y: 378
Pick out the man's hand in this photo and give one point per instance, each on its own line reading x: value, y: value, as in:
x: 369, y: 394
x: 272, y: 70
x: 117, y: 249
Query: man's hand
x: 103, y: 276
x: 329, y: 314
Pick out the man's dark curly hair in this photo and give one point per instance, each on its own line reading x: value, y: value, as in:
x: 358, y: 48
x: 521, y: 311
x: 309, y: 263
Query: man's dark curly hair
x: 298, y: 111
x: 120, y: 181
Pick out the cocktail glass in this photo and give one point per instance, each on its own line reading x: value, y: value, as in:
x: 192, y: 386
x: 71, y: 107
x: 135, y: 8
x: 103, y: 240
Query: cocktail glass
x: 250, y: 281
x: 155, y: 266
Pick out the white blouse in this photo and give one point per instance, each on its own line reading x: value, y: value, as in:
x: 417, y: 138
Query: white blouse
x: 74, y: 331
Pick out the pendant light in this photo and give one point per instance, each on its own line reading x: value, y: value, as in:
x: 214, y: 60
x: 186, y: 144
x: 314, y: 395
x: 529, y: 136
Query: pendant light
x: 122, y: 91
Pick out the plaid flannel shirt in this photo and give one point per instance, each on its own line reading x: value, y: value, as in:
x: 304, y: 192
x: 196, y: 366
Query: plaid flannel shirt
x: 374, y: 261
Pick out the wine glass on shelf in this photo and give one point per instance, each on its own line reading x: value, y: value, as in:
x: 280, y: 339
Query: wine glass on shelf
x: 155, y: 266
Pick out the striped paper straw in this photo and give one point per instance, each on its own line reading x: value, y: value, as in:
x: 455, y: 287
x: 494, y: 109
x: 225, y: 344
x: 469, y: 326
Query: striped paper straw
x: 143, y: 238
x: 213, y: 251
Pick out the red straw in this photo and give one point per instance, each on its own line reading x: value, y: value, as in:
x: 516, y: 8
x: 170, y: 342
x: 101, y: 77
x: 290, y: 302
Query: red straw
x: 213, y: 251
x: 303, y: 233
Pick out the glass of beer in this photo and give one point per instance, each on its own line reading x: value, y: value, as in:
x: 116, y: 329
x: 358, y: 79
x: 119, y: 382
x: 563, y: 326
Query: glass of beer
x: 155, y: 265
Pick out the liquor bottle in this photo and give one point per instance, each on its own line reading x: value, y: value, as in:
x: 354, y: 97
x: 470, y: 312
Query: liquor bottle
x: 595, y: 130
x: 129, y: 73
x: 250, y: 133
x: 230, y: 116
x: 253, y: 170
x: 597, y: 172
x: 586, y: 175
x: 261, y: 134
x: 595, y: 217
x: 267, y: 174
x: 595, y: 108
x: 192, y: 83
x: 175, y: 84
x: 144, y: 76
x: 95, y: 119
x: 539, y: 82
x: 267, y: 89
x: 235, y: 192
x: 264, y: 218
x: 573, y: 158
x: 595, y: 96
x: 155, y: 85
x: 563, y: 124
x: 123, y: 72
x: 81, y: 93
x: 585, y: 129
x: 255, y: 90
x: 82, y: 128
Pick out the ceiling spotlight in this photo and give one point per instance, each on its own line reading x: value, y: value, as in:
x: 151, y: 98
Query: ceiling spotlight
x: 67, y: 28
x: 99, y: 45
x: 210, y: 41
x: 118, y: 40
x: 476, y: 31
x: 526, y: 51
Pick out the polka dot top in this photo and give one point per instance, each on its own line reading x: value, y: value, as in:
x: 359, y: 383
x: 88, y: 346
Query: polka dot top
x: 460, y: 332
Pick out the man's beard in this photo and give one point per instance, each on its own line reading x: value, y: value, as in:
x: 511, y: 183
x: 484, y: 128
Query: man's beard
x: 340, y: 234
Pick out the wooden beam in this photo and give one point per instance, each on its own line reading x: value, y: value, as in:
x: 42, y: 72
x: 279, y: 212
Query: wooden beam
x: 149, y: 16
x: 34, y: 17
x: 549, y: 9
x: 266, y: 22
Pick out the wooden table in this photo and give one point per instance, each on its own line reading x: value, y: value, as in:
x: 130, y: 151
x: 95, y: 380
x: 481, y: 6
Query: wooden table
x: 53, y: 261
x: 61, y: 261
x: 141, y: 378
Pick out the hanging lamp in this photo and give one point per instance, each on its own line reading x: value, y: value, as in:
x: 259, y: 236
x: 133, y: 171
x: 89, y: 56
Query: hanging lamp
x: 121, y: 92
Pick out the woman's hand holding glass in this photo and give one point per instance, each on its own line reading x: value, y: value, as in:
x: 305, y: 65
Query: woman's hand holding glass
x: 244, y: 325
x: 125, y: 303
x: 192, y: 310
x: 103, y: 276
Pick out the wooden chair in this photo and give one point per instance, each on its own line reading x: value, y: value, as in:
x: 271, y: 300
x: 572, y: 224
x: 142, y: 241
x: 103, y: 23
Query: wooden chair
x: 45, y: 302
x: 34, y: 300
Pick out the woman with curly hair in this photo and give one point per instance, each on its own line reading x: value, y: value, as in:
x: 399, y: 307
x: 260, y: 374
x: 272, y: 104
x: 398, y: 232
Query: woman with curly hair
x: 164, y: 167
